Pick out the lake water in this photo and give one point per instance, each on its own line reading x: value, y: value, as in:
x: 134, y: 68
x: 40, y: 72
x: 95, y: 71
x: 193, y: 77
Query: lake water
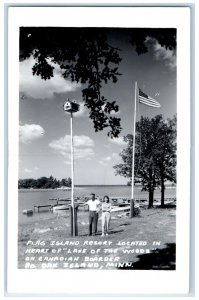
x: 28, y: 198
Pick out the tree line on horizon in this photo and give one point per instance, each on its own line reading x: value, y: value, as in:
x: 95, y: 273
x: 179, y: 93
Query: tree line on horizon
x: 44, y: 183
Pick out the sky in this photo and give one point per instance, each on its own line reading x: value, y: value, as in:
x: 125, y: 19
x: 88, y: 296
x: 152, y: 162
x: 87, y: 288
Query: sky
x: 44, y: 127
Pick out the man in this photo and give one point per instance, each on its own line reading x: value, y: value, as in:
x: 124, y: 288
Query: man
x: 93, y: 205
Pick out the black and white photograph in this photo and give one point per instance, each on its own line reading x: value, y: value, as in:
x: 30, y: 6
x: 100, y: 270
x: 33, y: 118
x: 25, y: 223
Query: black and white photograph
x: 97, y: 148
x: 100, y: 143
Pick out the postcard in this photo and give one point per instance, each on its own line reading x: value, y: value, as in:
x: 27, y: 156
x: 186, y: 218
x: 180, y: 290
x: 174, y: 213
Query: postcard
x: 99, y: 147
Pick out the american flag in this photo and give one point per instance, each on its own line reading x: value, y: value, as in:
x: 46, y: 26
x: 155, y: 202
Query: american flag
x: 145, y: 99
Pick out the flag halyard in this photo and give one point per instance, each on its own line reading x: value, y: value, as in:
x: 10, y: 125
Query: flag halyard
x: 147, y: 100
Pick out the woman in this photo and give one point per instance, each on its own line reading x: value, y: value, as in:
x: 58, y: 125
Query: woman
x: 106, y: 215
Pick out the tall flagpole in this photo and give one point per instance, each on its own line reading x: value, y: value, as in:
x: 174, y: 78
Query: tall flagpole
x: 133, y: 152
x: 72, y: 173
x: 72, y: 107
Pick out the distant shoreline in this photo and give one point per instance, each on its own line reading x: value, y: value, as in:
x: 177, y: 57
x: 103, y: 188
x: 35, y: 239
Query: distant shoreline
x: 82, y: 186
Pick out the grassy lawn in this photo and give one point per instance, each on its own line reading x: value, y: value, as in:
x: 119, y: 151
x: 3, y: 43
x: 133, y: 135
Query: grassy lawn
x: 144, y: 242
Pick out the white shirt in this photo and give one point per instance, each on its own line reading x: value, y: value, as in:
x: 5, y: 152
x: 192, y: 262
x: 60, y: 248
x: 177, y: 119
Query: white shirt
x: 106, y: 207
x: 93, y: 204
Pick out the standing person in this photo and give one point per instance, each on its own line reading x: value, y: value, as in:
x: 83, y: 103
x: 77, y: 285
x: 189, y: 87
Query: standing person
x: 106, y: 215
x: 93, y: 205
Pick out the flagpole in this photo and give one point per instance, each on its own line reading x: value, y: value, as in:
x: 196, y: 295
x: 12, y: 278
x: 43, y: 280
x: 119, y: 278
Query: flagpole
x: 133, y: 151
x: 72, y: 173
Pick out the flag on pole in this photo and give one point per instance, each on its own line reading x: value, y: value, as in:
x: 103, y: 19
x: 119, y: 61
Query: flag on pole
x: 145, y: 99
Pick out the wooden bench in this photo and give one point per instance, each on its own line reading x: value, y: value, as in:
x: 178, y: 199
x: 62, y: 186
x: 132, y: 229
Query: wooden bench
x: 58, y: 200
x: 42, y: 206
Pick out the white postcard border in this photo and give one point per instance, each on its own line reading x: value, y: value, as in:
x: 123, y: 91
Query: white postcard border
x: 125, y: 282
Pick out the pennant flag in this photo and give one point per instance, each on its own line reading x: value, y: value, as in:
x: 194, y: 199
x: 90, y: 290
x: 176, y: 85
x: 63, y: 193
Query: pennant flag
x: 145, y: 99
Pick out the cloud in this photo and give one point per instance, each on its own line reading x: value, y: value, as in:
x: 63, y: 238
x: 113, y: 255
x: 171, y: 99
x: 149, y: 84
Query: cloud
x: 83, y: 147
x: 36, y: 87
x: 118, y: 141
x: 106, y: 160
x: 67, y: 162
x: 83, y: 111
x: 116, y: 156
x: 162, y: 54
x: 27, y: 171
x: 30, y: 132
x: 103, y: 163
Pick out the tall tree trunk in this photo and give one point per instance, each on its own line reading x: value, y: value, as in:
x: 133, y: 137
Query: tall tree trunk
x: 151, y: 189
x: 151, y: 192
x: 162, y: 190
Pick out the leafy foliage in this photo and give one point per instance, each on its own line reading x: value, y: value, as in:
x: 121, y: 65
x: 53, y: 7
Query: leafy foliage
x: 85, y: 57
x: 155, y: 154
